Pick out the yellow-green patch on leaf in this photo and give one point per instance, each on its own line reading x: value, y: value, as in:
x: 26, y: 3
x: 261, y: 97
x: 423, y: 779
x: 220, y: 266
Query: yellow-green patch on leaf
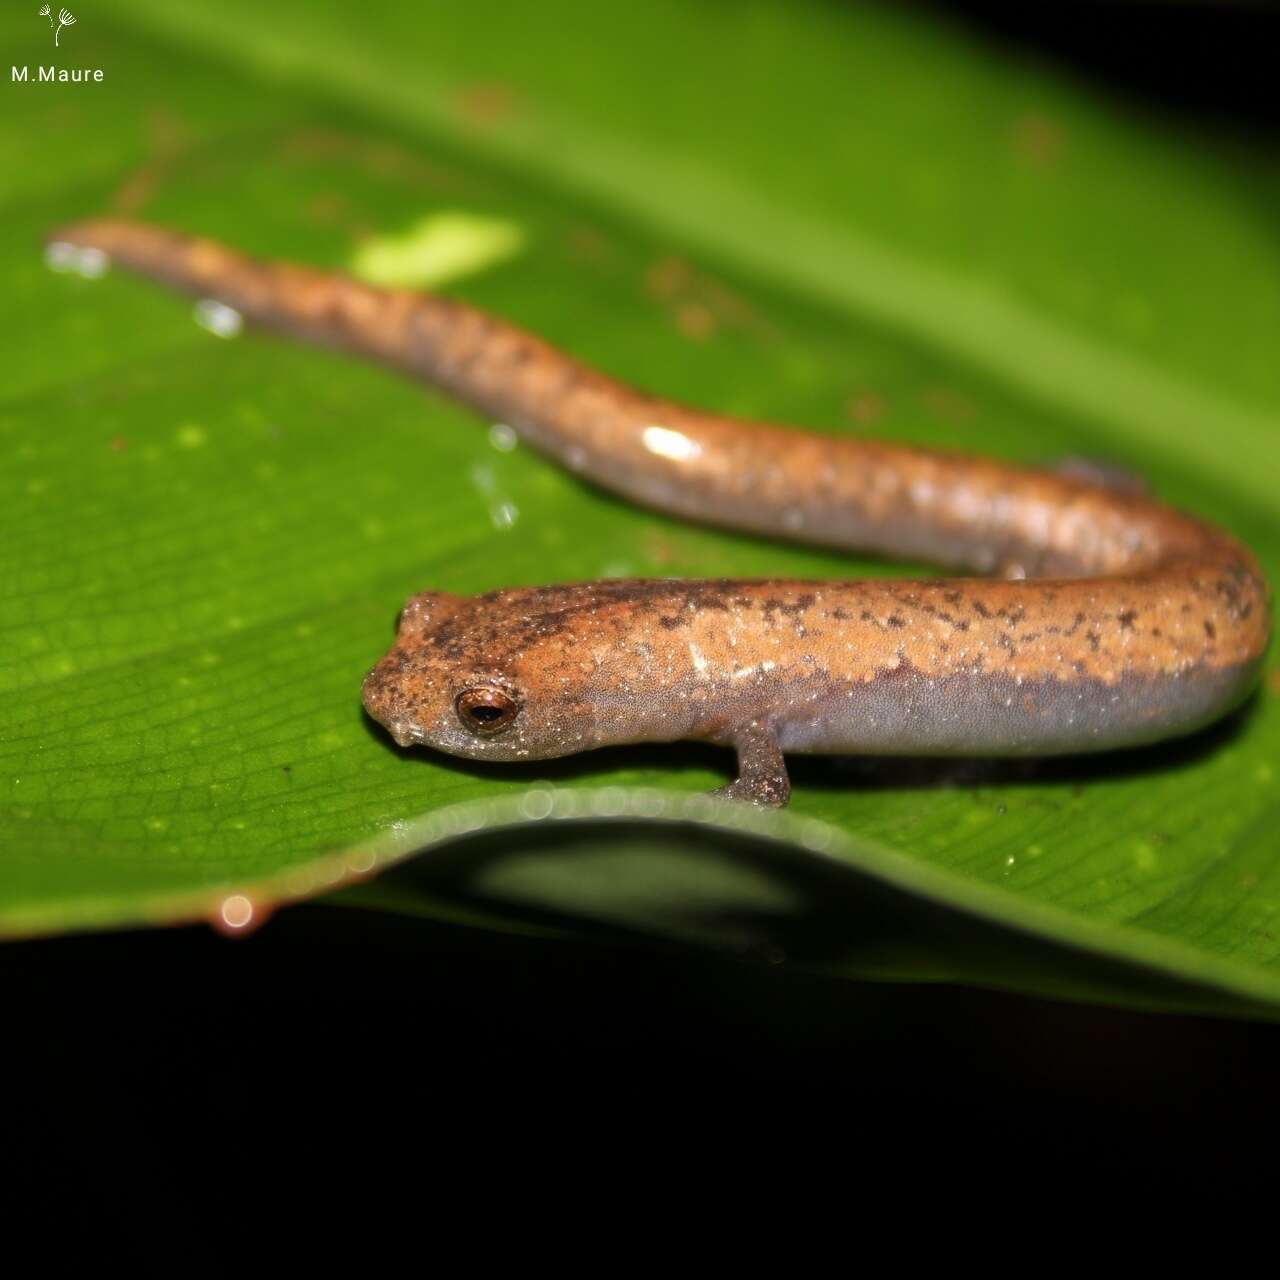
x: 437, y: 249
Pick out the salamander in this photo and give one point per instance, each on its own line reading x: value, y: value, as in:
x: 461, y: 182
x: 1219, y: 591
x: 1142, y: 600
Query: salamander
x: 1105, y: 619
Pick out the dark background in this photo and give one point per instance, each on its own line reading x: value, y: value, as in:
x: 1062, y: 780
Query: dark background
x: 332, y: 1035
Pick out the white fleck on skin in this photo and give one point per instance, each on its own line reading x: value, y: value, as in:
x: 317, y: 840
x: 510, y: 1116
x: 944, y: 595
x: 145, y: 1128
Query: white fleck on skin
x: 667, y: 443
x: 699, y: 662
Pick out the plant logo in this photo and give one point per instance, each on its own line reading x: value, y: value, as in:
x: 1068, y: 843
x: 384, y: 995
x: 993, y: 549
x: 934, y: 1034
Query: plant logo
x: 65, y: 19
x: 52, y: 73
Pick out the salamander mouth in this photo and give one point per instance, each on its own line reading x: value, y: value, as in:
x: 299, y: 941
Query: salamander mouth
x: 405, y: 733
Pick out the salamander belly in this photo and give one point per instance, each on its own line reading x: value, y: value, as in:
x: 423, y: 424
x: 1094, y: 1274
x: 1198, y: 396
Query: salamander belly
x: 906, y: 712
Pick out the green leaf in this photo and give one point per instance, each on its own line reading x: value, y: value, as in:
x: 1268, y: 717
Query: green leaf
x: 848, y: 220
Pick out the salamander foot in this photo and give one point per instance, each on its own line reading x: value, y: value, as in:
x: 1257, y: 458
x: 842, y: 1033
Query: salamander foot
x: 762, y: 772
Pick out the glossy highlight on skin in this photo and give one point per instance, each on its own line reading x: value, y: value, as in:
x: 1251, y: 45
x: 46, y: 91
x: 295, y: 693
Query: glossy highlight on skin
x: 1110, y: 620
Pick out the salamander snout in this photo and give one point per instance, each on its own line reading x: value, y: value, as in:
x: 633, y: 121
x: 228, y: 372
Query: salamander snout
x: 479, y: 715
x: 442, y: 685
x: 419, y: 704
x: 503, y: 677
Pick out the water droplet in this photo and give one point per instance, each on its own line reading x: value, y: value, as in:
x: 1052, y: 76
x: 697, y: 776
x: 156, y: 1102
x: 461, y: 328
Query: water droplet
x: 504, y: 515
x: 818, y: 836
x: 609, y: 802
x: 300, y: 883
x: 92, y: 263
x: 649, y: 804
x: 191, y: 435
x: 235, y: 914
x: 218, y: 318
x: 502, y: 437
x: 536, y: 805
x: 360, y: 861
x: 702, y: 808
x: 60, y: 256
x: 330, y: 872
x: 63, y: 256
x: 567, y: 804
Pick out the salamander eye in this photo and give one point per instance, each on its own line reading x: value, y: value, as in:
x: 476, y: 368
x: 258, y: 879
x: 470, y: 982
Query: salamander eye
x: 486, y: 711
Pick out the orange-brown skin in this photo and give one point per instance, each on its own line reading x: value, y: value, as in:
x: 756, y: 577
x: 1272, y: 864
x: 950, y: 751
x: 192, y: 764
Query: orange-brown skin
x: 1138, y: 622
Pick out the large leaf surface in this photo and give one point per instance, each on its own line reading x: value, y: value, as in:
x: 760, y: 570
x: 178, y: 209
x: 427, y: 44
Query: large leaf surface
x: 852, y: 221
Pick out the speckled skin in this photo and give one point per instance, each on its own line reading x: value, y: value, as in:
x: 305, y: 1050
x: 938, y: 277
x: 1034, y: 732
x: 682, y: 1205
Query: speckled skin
x: 1137, y: 622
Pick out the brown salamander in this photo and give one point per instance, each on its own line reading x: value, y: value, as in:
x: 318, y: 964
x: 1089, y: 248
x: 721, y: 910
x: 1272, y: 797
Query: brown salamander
x: 1112, y: 620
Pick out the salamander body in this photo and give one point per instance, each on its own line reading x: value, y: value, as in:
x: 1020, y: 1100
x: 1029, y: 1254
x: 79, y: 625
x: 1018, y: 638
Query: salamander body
x: 1110, y: 621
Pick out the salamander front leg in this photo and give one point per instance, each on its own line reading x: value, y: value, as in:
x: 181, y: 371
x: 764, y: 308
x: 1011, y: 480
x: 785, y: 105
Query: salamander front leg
x: 762, y: 772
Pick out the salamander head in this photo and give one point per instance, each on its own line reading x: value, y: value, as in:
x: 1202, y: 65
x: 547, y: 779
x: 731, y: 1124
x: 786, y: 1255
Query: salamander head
x: 469, y: 677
